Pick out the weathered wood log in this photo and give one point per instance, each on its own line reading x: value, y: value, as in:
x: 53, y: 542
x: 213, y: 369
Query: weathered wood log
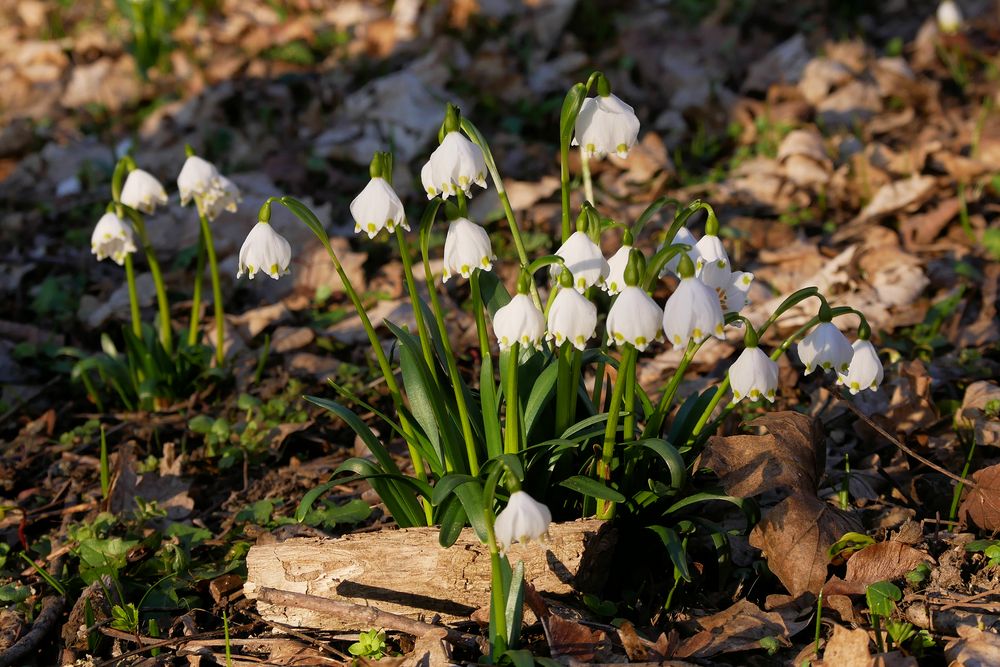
x: 407, y: 572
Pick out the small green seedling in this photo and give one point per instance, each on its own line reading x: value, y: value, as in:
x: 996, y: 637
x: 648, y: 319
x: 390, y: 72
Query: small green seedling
x: 882, y: 597
x: 370, y: 644
x: 125, y: 618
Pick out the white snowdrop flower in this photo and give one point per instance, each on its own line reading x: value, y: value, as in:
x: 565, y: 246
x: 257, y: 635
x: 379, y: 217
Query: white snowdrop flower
x: 466, y: 248
x: 634, y: 318
x: 454, y: 165
x: 693, y: 313
x: 225, y: 196
x: 572, y: 317
x: 523, y: 520
x: 264, y: 250
x: 112, y: 237
x: 376, y: 207
x: 682, y: 237
x: 143, y: 192
x: 583, y: 258
x: 949, y: 17
x: 605, y: 125
x: 615, y: 282
x: 520, y: 321
x: 712, y: 256
x: 753, y: 375
x: 731, y: 287
x: 198, y: 177
x: 827, y: 348
x: 865, y: 370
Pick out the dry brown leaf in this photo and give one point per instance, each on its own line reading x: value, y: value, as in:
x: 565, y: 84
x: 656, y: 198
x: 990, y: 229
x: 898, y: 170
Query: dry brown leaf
x: 972, y: 412
x: 898, y: 196
x: 847, y: 648
x: 789, y: 459
x: 982, y: 505
x: 639, y: 649
x: 795, y: 536
x: 884, y: 561
x: 973, y: 648
x: 573, y: 640
x: 739, y: 628
x: 917, y: 230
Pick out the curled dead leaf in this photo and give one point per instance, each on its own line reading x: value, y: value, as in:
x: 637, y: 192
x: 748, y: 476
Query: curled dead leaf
x: 739, y: 628
x: 982, y: 505
x: 885, y: 561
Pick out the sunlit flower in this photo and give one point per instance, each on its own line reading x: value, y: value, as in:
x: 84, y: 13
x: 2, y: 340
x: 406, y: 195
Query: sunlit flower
x: 198, y: 177
x: 605, y: 125
x: 712, y: 258
x: 454, y: 165
x: 949, y: 17
x: 693, y: 313
x: 634, y: 318
x: 520, y: 321
x: 753, y: 375
x: 376, y: 207
x: 572, y: 317
x: 731, y: 287
x: 827, y: 348
x: 112, y: 237
x: 583, y: 258
x: 523, y: 520
x: 264, y: 250
x: 682, y: 237
x: 143, y: 192
x: 615, y: 282
x: 865, y: 370
x: 225, y: 196
x: 467, y: 247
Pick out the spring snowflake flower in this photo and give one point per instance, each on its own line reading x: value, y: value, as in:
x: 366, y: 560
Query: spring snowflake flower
x: 949, y: 17
x: 605, y: 125
x: 732, y: 288
x: 520, y: 321
x: 827, y: 348
x: 572, y: 317
x: 753, y: 375
x: 684, y: 237
x: 454, y: 165
x: 615, y: 282
x: 865, y: 370
x: 264, y: 250
x: 224, y: 197
x: 467, y: 247
x: 198, y: 178
x: 634, y: 318
x: 583, y: 258
x: 523, y: 520
x: 112, y: 237
x: 376, y: 207
x: 143, y: 192
x: 712, y: 258
x: 692, y: 313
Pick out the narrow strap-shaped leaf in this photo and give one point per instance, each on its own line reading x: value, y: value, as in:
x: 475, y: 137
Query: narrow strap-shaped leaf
x: 589, y: 486
x: 514, y: 610
x: 453, y: 520
x: 447, y: 485
x: 670, y: 455
x: 542, y: 392
x: 678, y: 554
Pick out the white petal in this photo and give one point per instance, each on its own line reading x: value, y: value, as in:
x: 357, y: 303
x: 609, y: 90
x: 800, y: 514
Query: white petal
x: 583, y: 258
x: 572, y: 317
x: 753, y: 375
x: 466, y: 248
x: 615, y: 282
x: 692, y: 313
x: 634, y: 318
x: 520, y: 321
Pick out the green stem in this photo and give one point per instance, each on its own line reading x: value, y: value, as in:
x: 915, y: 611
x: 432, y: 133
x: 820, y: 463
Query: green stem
x: 411, y: 286
x: 213, y: 267
x: 599, y: 373
x: 605, y: 508
x: 957, y: 494
x: 819, y: 619
x: 456, y: 379
x: 628, y: 426
x: 655, y: 421
x: 133, y: 297
x: 511, y: 422
x: 195, y: 323
x: 166, y: 333
x: 563, y: 386
x: 877, y: 627
x: 497, y: 593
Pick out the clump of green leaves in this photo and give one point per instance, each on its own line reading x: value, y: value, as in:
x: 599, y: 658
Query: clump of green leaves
x: 989, y: 548
x: 370, y: 644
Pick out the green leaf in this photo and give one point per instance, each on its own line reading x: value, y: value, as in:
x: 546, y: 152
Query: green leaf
x: 650, y: 211
x: 521, y: 658
x: 514, y: 610
x: 676, y: 549
x: 452, y: 520
x: 495, y: 295
x: 305, y: 505
x: 542, y: 392
x: 447, y: 485
x: 670, y: 455
x: 542, y: 262
x: 749, y: 508
x: 593, y: 488
x: 882, y: 597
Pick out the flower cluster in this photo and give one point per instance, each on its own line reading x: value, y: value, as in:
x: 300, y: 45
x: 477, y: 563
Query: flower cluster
x: 201, y: 181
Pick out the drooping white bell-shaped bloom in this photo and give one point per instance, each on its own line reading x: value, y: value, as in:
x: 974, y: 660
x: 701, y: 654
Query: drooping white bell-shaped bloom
x: 827, y: 348
x: 692, y: 313
x: 264, y: 250
x: 583, y: 258
x: 949, y: 17
x: 684, y: 237
x: 466, y: 248
x: 731, y: 287
x: 225, y: 196
x: 454, y: 165
x: 198, y: 177
x: 572, y: 317
x: 523, y: 520
x: 865, y: 370
x: 712, y: 257
x: 378, y: 207
x: 143, y: 192
x: 615, y: 282
x: 520, y: 321
x: 753, y: 375
x: 605, y: 125
x: 634, y: 318
x: 112, y: 237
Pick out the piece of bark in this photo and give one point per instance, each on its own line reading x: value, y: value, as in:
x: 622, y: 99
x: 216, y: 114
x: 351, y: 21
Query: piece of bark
x: 407, y: 572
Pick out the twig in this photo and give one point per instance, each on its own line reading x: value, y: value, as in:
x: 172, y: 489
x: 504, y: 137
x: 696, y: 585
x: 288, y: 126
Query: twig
x: 154, y: 643
x: 51, y: 612
x: 294, y: 632
x: 368, y: 617
x: 894, y: 440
